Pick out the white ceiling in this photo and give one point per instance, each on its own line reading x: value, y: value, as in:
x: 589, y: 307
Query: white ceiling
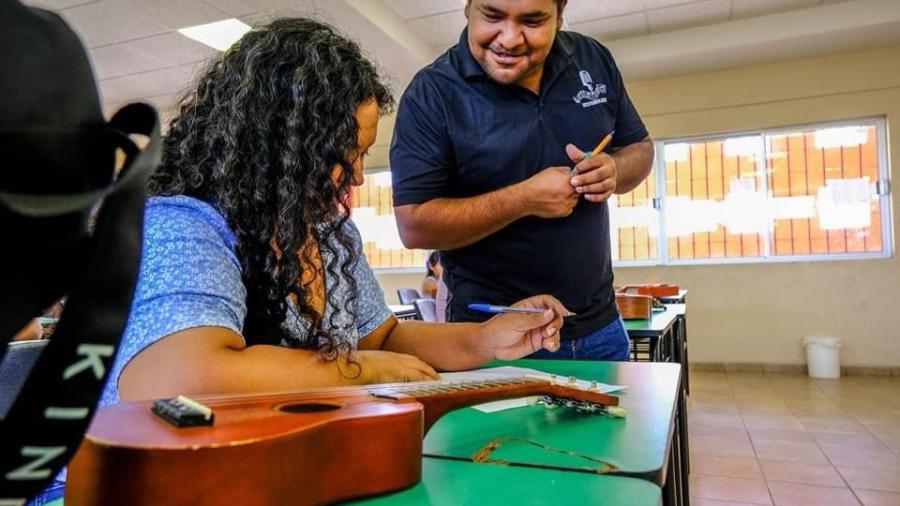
x: 440, y: 21
x: 138, y: 55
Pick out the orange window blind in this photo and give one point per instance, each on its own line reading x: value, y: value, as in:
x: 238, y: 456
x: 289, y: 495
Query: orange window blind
x: 373, y: 213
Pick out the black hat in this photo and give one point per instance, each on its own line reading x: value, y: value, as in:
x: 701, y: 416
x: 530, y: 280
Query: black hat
x: 57, y: 159
x: 52, y: 132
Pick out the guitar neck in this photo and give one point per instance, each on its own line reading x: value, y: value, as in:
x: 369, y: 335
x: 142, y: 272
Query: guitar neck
x: 439, y: 399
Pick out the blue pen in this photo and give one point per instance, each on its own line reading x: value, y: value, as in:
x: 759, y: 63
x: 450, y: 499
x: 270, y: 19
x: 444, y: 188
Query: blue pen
x: 489, y: 308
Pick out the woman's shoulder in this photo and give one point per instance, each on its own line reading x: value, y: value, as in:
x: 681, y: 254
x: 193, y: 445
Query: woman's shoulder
x: 184, y: 215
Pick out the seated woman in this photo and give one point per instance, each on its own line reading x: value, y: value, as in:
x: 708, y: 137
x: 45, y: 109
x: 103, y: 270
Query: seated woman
x: 433, y: 271
x: 252, y: 276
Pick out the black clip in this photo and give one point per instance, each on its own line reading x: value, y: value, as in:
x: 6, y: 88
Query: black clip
x: 182, y: 411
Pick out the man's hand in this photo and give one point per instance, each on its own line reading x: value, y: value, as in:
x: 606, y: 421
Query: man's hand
x: 510, y: 336
x: 595, y: 177
x: 549, y: 193
x: 389, y: 367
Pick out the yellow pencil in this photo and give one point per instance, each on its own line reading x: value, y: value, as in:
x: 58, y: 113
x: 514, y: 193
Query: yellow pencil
x: 600, y: 146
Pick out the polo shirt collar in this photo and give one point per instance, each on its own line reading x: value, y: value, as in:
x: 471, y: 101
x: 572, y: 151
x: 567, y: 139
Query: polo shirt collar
x: 559, y: 58
x: 468, y: 67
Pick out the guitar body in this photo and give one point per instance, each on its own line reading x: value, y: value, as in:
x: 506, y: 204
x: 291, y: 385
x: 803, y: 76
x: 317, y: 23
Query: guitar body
x: 256, y: 453
x: 634, y: 307
x: 651, y: 289
x: 301, y: 448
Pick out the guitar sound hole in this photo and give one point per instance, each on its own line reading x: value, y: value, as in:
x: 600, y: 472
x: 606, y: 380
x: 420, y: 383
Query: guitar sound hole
x: 308, y: 407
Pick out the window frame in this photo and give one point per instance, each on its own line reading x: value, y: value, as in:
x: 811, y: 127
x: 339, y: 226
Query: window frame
x: 659, y: 200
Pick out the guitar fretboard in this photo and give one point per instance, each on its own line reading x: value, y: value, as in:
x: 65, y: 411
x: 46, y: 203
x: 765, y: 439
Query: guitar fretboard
x: 427, y: 389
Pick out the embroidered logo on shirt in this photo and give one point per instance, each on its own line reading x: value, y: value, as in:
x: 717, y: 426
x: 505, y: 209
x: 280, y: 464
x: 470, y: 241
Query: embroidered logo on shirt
x: 592, y: 94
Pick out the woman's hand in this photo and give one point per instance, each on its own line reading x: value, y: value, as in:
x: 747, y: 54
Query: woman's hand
x: 510, y: 336
x: 388, y: 367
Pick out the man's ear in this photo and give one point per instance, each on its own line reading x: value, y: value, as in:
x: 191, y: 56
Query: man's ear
x: 466, y: 8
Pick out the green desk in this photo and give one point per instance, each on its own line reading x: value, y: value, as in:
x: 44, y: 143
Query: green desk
x: 658, y: 332
x: 681, y: 344
x: 452, y: 482
x: 641, y: 444
x: 666, y: 336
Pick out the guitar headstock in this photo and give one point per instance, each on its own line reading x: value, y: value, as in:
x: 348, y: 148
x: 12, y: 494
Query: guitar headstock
x: 580, y: 395
x: 552, y: 402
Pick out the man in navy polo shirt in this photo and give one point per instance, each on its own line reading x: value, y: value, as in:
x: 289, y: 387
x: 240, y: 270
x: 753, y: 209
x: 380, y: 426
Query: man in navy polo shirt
x: 482, y: 160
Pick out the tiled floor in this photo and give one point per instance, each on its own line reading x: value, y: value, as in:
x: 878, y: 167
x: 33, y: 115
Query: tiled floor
x: 789, y: 440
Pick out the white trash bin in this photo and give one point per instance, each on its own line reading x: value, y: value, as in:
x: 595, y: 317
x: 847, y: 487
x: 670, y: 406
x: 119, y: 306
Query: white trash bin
x: 823, y: 356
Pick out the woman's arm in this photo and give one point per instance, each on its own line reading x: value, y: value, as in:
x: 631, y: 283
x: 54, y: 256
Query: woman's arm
x: 212, y: 360
x: 458, y: 346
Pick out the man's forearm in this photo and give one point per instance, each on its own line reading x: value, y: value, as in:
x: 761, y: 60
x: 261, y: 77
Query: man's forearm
x: 633, y: 163
x: 448, y: 223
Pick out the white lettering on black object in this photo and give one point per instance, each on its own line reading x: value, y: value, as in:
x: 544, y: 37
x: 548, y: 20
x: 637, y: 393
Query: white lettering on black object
x: 60, y: 413
x: 92, y: 354
x: 32, y: 470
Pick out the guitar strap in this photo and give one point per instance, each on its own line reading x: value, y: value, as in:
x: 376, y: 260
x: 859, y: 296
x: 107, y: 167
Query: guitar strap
x: 44, y: 427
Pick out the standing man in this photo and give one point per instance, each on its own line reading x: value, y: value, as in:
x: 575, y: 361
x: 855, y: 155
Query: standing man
x: 482, y: 161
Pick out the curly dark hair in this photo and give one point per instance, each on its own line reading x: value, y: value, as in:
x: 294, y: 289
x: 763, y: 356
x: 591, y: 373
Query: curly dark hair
x: 258, y: 138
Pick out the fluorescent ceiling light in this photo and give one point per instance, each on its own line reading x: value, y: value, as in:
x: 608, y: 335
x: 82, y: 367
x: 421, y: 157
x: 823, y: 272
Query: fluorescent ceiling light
x: 219, y: 35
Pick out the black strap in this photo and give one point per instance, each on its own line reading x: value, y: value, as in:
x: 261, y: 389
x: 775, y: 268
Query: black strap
x: 45, y: 425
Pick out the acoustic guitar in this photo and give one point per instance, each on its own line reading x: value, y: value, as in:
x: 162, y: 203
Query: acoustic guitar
x: 634, y: 306
x: 651, y: 289
x: 311, y: 447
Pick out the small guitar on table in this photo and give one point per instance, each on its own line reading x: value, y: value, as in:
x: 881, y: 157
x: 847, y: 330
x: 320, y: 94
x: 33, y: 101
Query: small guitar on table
x: 311, y: 447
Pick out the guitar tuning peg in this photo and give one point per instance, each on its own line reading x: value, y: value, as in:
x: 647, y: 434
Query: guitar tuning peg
x: 552, y: 379
x: 593, y: 385
x: 572, y: 380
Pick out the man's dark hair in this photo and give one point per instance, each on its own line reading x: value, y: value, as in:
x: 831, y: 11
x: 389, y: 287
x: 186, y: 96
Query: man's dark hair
x: 434, y: 258
x: 258, y: 138
x: 560, y: 5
